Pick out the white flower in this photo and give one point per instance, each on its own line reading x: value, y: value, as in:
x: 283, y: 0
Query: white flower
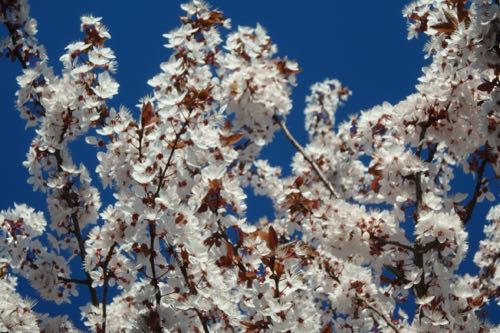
x: 213, y: 171
x: 101, y: 56
x: 425, y: 300
x: 90, y: 20
x: 107, y: 87
x: 436, y: 317
x: 413, y: 276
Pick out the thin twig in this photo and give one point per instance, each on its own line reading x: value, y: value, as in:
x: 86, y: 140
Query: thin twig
x: 77, y: 281
x: 374, y: 309
x: 171, y: 155
x: 301, y: 150
x: 189, y: 285
x: 332, y: 275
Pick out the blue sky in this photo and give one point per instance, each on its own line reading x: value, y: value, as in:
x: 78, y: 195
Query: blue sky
x: 362, y: 43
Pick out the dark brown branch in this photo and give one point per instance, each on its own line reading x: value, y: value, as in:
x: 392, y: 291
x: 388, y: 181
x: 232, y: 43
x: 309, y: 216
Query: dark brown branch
x: 421, y: 250
x: 468, y: 209
x: 182, y: 267
x: 390, y: 242
x: 152, y: 224
x: 418, y: 176
x: 330, y: 272
x: 77, y: 281
x: 152, y: 254
x: 275, y: 277
x: 14, y: 36
x: 83, y: 254
x: 420, y: 289
x: 106, y: 285
x: 188, y: 283
x: 301, y: 150
x: 419, y: 255
x: 425, y: 248
x: 23, y: 59
x: 66, y: 196
x: 190, y: 286
x: 171, y: 156
x: 140, y: 132
x: 418, y: 249
x: 203, y: 321
x: 66, y: 124
x: 74, y: 218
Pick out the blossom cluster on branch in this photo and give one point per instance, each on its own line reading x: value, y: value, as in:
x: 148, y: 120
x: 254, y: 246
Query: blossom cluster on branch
x: 369, y: 219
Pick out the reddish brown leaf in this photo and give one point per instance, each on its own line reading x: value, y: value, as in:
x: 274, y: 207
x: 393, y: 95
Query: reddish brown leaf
x: 445, y: 27
x: 263, y: 235
x: 272, y: 241
x: 214, y: 185
x: 266, y: 261
x: 148, y: 116
x: 297, y: 203
x: 215, y: 18
x: 283, y: 68
x: 177, y: 145
x: 357, y: 285
x: 486, y: 86
x: 278, y: 269
x: 204, y: 94
x: 180, y: 219
x: 375, y: 185
x: 144, y: 249
x: 298, y: 181
x: 231, y: 139
x: 328, y: 328
x: 451, y: 18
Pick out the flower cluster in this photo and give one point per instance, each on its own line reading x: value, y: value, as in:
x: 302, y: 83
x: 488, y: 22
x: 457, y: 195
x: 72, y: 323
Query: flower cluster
x: 369, y: 219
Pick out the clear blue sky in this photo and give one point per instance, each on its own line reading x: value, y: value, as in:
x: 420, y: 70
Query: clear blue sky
x: 362, y: 43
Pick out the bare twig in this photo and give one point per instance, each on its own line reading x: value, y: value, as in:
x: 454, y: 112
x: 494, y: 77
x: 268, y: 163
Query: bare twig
x: 375, y: 310
x: 77, y: 281
x: 171, y: 155
x: 301, y: 150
